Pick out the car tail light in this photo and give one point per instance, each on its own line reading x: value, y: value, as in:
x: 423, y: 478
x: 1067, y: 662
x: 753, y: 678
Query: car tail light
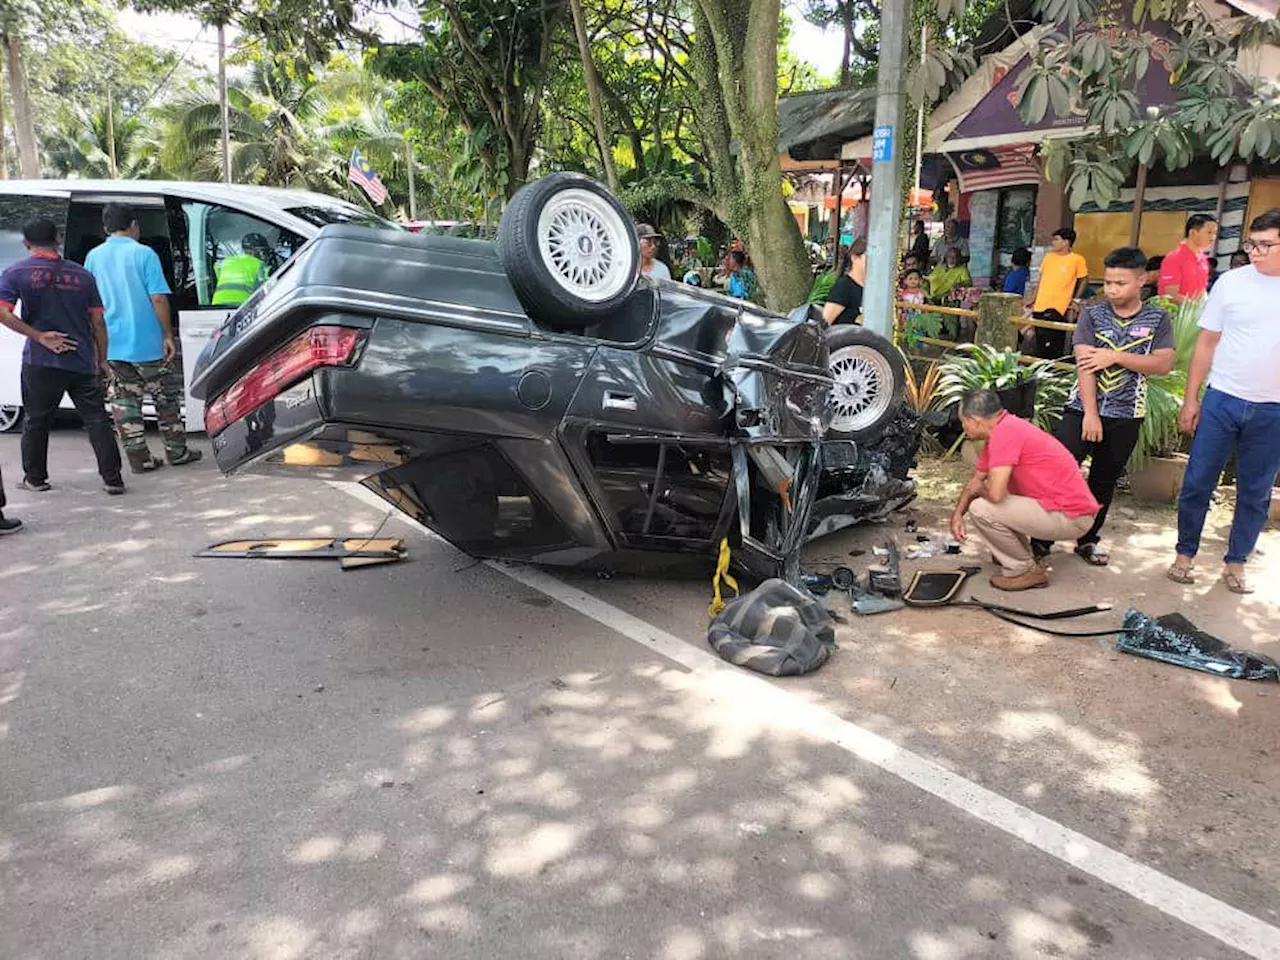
x: 317, y: 347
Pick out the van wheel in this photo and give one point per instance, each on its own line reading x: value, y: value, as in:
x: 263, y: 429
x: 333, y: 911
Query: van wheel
x: 10, y: 418
x: 869, y: 376
x: 569, y: 249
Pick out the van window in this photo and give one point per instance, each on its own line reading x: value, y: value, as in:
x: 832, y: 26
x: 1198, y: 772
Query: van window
x: 213, y: 235
x: 85, y: 231
x: 16, y: 210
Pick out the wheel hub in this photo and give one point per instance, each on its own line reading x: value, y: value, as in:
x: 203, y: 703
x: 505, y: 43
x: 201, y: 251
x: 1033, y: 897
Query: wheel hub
x: 585, y: 245
x: 580, y: 246
x: 863, y: 388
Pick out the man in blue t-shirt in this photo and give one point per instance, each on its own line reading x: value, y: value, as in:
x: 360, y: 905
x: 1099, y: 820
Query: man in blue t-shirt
x: 66, y: 353
x: 140, y: 342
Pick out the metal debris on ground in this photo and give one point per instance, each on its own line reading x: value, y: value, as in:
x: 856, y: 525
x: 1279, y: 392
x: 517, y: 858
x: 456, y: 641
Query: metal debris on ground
x: 351, y: 552
x: 1175, y: 639
x: 888, y: 582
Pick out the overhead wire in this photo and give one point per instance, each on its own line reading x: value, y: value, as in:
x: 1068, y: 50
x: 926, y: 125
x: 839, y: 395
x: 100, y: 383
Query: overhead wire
x: 168, y: 76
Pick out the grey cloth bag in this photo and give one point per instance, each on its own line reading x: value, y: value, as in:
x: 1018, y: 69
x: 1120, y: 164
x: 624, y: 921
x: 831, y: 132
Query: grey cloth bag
x: 776, y: 629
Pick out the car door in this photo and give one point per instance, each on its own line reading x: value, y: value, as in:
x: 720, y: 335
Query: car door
x: 204, y: 233
x: 15, y: 210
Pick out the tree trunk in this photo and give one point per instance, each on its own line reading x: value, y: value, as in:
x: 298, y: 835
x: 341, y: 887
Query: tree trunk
x: 592, y: 78
x: 223, y: 111
x: 23, y: 114
x: 846, y: 15
x: 4, y: 149
x: 995, y: 310
x: 744, y: 42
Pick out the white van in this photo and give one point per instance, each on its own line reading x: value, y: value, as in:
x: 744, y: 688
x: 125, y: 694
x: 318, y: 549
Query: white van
x: 191, y: 225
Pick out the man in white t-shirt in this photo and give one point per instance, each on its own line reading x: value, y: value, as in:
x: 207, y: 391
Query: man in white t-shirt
x: 1239, y: 351
x: 650, y: 265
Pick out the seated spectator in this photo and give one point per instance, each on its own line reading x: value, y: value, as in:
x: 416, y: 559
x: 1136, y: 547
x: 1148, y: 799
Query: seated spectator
x: 1015, y: 281
x: 947, y: 276
x: 911, y: 286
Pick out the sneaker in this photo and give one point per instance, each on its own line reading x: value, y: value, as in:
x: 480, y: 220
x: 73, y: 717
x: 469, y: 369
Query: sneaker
x: 187, y: 456
x: 114, y: 487
x: 9, y: 526
x: 35, y: 486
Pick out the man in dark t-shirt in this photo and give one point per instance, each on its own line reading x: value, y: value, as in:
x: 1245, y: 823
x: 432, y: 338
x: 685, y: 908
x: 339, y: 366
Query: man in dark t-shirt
x: 66, y: 352
x: 844, y: 302
x: 1119, y: 342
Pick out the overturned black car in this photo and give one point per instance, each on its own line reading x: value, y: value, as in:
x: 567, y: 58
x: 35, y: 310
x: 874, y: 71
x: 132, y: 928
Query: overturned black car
x: 537, y: 400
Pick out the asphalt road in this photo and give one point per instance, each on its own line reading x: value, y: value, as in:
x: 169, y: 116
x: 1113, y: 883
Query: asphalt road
x: 232, y: 758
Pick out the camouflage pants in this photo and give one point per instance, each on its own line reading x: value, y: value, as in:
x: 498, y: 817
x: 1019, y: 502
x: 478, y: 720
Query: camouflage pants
x: 130, y: 383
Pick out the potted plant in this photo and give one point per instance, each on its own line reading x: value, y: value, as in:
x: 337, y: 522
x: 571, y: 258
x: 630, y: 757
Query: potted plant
x: 920, y: 393
x: 1158, y: 464
x: 1034, y: 391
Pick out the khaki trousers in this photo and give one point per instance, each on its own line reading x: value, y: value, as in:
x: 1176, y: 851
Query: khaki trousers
x: 1009, y: 526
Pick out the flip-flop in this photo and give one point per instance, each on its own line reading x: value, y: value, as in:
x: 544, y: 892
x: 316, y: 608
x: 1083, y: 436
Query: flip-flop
x: 1093, y: 555
x: 1236, y: 582
x: 1182, y: 573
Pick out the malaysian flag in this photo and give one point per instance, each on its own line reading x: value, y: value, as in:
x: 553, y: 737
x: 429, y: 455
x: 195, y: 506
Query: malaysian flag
x: 362, y: 175
x: 1009, y: 166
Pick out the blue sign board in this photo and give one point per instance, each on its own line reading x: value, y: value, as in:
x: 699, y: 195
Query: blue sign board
x: 882, y: 144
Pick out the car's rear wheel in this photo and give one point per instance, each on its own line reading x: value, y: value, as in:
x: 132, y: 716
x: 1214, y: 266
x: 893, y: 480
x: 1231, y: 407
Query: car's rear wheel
x: 868, y: 372
x: 569, y: 249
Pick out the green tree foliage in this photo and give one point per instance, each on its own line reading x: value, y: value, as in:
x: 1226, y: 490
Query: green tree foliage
x: 274, y: 114
x: 72, y: 81
x: 488, y: 62
x: 309, y: 29
x: 1094, y: 59
x: 79, y: 146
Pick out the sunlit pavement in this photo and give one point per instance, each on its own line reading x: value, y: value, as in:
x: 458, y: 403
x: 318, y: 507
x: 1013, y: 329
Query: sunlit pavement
x: 245, y: 758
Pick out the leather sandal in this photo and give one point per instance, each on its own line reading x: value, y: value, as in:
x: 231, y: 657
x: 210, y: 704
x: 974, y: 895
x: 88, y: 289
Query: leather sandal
x: 1236, y: 583
x: 1182, y: 572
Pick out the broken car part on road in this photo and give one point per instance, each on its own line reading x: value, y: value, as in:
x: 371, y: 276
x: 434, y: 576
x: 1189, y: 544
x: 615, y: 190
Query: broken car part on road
x: 536, y: 400
x: 351, y: 552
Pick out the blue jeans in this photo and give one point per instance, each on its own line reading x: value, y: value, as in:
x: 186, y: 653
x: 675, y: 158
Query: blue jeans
x: 1228, y: 423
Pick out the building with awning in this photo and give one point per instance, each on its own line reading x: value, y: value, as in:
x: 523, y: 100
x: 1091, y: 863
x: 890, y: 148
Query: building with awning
x: 991, y: 178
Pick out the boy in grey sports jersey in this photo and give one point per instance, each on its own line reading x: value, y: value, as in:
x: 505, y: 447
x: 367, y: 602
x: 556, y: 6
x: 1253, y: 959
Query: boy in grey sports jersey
x: 1119, y: 342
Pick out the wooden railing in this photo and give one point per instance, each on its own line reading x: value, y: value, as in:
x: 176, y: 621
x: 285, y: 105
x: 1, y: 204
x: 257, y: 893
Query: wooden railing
x: 904, y: 307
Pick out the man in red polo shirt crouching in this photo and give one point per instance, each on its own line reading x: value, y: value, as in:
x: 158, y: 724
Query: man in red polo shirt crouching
x: 1026, y: 485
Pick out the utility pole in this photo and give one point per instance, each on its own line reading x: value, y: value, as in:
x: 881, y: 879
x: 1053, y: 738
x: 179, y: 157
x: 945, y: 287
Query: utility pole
x: 413, y: 195
x: 222, y: 103
x: 886, y: 171
x: 112, y: 170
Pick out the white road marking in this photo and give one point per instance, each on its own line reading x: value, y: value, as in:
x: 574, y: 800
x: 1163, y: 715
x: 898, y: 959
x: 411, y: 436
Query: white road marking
x: 786, y: 710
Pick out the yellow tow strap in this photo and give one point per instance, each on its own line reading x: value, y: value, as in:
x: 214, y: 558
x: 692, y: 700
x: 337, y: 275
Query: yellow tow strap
x: 722, y: 573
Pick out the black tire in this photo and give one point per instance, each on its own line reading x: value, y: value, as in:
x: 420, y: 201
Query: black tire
x: 870, y: 380
x: 591, y: 244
